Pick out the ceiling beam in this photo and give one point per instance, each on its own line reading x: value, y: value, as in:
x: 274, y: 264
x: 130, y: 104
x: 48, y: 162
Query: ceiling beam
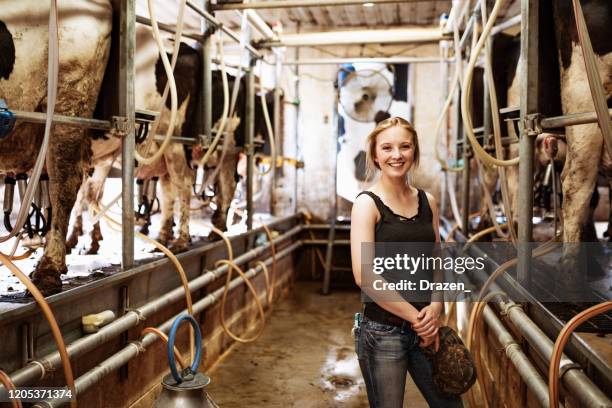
x: 389, y: 36
x: 300, y: 3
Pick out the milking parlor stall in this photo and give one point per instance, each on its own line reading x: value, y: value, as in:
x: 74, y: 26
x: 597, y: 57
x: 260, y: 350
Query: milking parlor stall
x: 177, y: 181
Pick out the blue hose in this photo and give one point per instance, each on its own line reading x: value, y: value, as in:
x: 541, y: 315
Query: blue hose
x: 198, y: 346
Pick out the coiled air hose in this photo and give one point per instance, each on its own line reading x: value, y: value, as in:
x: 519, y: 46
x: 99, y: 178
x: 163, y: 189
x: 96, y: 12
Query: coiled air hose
x: 9, y: 386
x: 562, y: 339
x: 170, y: 84
x: 48, y: 313
x: 52, y: 79
x: 233, y: 267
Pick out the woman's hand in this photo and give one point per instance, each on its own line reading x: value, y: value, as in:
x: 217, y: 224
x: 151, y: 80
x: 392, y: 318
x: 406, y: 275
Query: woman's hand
x: 427, y: 341
x: 428, y: 321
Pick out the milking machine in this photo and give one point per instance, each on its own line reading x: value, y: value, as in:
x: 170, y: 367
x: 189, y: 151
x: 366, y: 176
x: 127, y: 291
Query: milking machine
x: 147, y: 197
x: 41, y: 207
x: 184, y: 389
x: 7, y: 120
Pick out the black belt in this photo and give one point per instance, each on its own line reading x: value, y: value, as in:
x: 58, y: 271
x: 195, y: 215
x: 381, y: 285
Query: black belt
x: 379, y: 315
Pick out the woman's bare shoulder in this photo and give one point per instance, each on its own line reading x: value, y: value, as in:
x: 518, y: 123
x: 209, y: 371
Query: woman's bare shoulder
x: 364, y: 206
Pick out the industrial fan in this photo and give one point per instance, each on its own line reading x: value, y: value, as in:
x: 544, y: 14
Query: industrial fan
x: 365, y: 92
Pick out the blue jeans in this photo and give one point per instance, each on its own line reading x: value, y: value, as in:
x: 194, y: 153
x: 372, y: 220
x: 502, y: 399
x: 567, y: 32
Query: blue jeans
x: 385, y: 353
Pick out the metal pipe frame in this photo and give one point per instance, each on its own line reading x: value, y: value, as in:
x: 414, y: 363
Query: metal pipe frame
x: 38, y: 117
x: 385, y: 60
x: 212, y: 20
x: 575, y: 380
x: 126, y: 109
x: 33, y: 371
x: 135, y: 348
x: 570, y: 120
x: 528, y: 372
x: 303, y: 3
x: 506, y: 24
x: 528, y: 106
x: 168, y: 28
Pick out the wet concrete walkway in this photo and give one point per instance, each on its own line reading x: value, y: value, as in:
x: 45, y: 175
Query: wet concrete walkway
x: 305, y: 358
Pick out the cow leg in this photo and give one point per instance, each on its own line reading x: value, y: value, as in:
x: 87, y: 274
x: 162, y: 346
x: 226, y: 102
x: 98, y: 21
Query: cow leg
x: 93, y: 194
x: 181, y: 177
x: 65, y: 177
x: 77, y: 229
x: 226, y: 189
x: 167, y: 211
x: 579, y: 177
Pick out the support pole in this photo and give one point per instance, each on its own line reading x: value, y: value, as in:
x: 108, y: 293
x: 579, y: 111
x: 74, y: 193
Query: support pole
x: 250, y: 136
x: 126, y: 109
x: 206, y: 80
x: 331, y: 238
x: 465, y: 179
x: 529, y: 105
x: 277, y: 130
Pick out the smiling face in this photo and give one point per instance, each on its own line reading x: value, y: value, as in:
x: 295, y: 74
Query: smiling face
x: 395, y: 150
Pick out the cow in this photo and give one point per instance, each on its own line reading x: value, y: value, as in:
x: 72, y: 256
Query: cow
x: 586, y: 153
x: 173, y: 168
x: 84, y: 44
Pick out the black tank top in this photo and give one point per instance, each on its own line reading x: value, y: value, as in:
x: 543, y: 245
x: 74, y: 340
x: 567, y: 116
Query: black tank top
x: 393, y: 227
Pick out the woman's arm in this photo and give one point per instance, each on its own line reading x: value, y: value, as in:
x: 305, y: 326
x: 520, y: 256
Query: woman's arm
x: 428, y: 318
x: 363, y: 222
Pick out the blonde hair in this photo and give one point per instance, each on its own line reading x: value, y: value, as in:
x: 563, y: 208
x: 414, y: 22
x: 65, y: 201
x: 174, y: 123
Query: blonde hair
x: 371, y: 165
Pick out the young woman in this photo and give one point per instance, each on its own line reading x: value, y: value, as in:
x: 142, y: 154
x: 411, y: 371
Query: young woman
x: 392, y: 334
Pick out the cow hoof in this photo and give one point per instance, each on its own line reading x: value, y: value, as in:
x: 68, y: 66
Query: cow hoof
x: 178, y: 246
x: 213, y: 237
x: 47, y: 282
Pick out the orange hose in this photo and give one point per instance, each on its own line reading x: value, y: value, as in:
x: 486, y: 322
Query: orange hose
x: 267, y: 279
x: 57, y: 334
x: 164, y: 338
x: 473, y: 344
x: 231, y: 267
x: 564, y: 335
x: 9, y: 386
x: 455, y: 227
x: 174, y: 261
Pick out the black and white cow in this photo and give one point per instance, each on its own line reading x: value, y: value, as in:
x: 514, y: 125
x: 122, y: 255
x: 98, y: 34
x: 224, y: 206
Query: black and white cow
x: 586, y: 155
x: 84, y: 42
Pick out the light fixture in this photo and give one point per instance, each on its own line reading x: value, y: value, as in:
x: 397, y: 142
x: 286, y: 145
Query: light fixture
x: 368, y: 4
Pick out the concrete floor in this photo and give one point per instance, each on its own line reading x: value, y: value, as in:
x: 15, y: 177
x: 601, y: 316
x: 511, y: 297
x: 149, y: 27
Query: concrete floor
x: 304, y: 358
